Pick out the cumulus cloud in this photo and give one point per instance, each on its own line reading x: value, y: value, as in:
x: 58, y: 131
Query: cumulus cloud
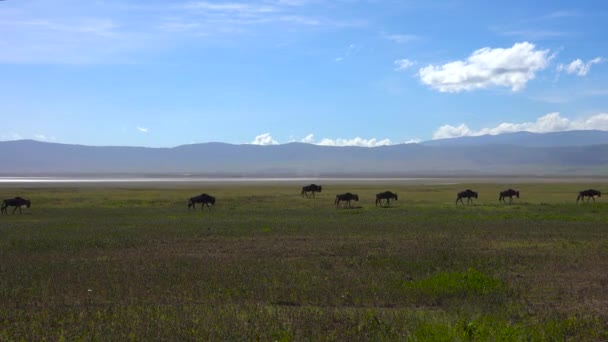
x: 551, y: 122
x: 43, y: 137
x: 579, y: 67
x: 354, y: 142
x: 309, y: 139
x: 511, y: 67
x: 402, y: 64
x: 142, y: 129
x: 264, y: 139
x: 361, y: 142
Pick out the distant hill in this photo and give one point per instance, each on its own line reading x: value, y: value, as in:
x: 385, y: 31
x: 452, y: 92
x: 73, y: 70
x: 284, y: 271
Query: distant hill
x: 529, y: 139
x: 28, y: 157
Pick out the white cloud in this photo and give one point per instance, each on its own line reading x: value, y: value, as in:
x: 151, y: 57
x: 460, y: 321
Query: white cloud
x: 449, y: 131
x: 402, y: 64
x: 142, y: 129
x: 551, y: 122
x: 511, y: 67
x: 43, y: 137
x: 264, y: 139
x: 412, y: 141
x: 579, y: 67
x: 309, y: 139
x: 373, y: 142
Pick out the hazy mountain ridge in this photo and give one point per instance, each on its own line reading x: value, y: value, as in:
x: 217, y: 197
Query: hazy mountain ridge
x: 529, y: 139
x: 453, y: 157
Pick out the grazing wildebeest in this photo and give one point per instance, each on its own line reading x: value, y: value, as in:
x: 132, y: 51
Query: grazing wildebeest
x: 386, y: 195
x: 203, y: 199
x: 16, y: 202
x: 347, y: 197
x: 508, y: 193
x: 589, y: 193
x: 311, y: 188
x: 468, y: 194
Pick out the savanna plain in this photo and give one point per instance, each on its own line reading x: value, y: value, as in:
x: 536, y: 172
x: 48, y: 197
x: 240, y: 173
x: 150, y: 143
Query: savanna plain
x: 133, y: 263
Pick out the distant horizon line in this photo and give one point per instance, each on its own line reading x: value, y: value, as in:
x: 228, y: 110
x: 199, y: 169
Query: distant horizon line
x: 302, y: 142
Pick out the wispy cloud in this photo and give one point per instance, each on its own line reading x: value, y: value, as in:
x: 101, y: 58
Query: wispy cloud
x: 403, y: 64
x: 596, y: 92
x: 579, y: 67
x: 507, y: 67
x: 400, y: 38
x: 230, y: 7
x: 350, y: 51
x: 554, y: 15
x: 552, y: 122
x: 264, y: 139
x: 142, y: 129
x: 531, y: 28
x: 48, y: 38
x: 553, y: 98
x: 534, y: 34
x: 11, y: 136
x: 109, y: 32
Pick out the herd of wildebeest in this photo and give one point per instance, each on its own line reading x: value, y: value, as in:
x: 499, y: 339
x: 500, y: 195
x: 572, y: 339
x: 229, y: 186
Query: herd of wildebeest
x: 206, y: 199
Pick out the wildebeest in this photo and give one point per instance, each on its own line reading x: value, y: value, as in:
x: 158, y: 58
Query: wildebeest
x: 311, y: 188
x: 468, y: 194
x: 508, y: 193
x: 386, y: 195
x: 203, y: 199
x: 589, y: 193
x: 16, y: 202
x: 347, y: 197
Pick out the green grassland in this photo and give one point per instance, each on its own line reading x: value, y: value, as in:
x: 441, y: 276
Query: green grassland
x: 266, y: 264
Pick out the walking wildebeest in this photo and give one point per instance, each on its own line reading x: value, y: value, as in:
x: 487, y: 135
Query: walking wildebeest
x: 311, y: 188
x: 386, y: 195
x: 589, y: 193
x: 16, y: 202
x: 347, y: 197
x: 203, y: 199
x: 468, y: 194
x: 508, y: 193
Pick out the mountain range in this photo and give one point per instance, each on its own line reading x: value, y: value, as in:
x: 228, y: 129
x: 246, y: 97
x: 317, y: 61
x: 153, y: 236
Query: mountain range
x: 580, y: 153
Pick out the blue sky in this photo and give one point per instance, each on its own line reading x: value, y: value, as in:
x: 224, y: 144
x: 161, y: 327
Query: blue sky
x: 343, y: 72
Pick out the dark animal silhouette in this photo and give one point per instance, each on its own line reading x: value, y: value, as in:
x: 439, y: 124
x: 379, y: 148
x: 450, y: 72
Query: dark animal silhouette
x: 386, y: 195
x: 589, y: 193
x: 508, y: 193
x: 16, y: 202
x: 468, y: 194
x: 347, y: 197
x: 311, y: 188
x: 203, y: 199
